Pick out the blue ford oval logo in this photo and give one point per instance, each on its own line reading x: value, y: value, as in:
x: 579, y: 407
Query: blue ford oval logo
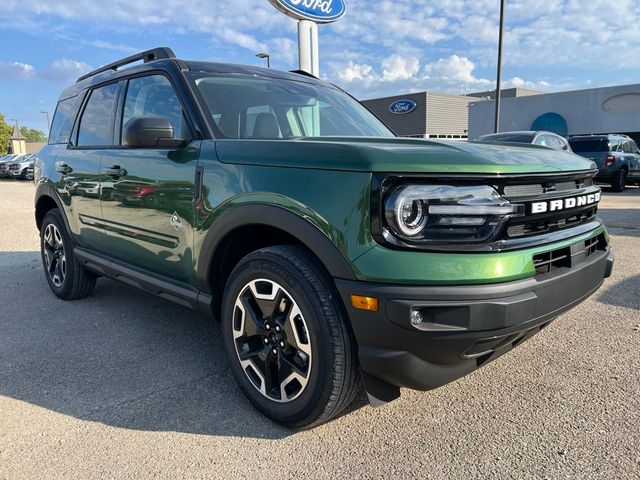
x: 401, y: 107
x: 319, y: 11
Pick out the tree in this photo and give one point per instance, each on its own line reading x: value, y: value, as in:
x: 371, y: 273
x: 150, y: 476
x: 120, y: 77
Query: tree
x: 33, y: 135
x: 5, y: 133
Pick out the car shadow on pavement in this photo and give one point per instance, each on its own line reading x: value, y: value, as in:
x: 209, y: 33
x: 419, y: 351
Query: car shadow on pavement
x: 623, y: 294
x: 120, y: 357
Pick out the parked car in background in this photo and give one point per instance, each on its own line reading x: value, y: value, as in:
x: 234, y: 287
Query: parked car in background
x: 5, y: 162
x: 617, y: 157
x: 539, y: 137
x: 22, y: 167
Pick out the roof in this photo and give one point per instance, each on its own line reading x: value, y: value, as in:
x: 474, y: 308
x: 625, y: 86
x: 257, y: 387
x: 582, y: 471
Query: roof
x: 105, y: 74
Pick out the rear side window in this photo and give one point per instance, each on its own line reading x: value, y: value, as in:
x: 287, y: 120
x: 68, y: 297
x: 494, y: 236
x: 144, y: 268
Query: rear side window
x: 596, y: 145
x: 63, y: 119
x: 96, y: 124
x: 626, y: 148
x: 154, y: 95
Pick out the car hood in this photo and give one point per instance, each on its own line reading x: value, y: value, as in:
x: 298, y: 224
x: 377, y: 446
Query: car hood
x: 399, y: 155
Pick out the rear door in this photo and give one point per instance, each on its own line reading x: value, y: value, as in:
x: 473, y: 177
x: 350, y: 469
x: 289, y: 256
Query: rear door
x: 147, y: 193
x: 77, y: 166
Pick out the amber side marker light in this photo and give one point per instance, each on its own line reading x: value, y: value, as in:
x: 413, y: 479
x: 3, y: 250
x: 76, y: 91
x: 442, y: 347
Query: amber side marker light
x: 364, y: 303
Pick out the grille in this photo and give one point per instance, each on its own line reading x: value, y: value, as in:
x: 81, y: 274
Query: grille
x: 547, y: 262
x: 552, y: 220
x: 594, y: 245
x: 539, y: 189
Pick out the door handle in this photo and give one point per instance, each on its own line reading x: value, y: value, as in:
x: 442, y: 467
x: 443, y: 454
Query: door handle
x: 115, y: 171
x: 63, y: 168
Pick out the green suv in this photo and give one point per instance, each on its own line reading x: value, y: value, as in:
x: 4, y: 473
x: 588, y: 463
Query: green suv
x: 335, y: 255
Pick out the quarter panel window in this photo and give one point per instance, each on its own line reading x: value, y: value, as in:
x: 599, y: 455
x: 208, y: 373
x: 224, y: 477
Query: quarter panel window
x: 96, y: 124
x: 154, y: 95
x: 63, y: 119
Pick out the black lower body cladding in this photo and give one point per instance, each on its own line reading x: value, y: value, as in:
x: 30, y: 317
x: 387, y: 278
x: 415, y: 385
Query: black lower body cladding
x: 457, y: 328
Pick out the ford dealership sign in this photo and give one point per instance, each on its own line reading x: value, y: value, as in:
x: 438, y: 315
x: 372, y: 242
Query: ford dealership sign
x: 400, y: 107
x: 319, y: 11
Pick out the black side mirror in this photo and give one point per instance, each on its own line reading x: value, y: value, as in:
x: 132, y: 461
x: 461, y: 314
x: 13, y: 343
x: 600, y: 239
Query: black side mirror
x: 150, y: 131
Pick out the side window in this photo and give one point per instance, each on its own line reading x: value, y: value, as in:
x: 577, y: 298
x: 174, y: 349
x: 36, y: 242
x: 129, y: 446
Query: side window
x: 63, y: 119
x: 627, y: 147
x: 154, y: 95
x: 634, y: 147
x: 96, y: 124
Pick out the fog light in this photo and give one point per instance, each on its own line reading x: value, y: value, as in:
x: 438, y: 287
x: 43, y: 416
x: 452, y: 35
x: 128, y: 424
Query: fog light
x: 364, y: 303
x: 416, y: 318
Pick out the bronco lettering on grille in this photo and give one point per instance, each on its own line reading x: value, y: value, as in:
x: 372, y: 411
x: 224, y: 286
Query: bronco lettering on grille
x: 565, y: 203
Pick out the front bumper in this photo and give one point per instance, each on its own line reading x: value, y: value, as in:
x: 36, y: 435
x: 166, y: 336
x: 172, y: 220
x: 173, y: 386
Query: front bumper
x: 463, y: 327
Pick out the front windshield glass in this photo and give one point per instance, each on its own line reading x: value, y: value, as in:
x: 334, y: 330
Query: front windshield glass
x: 271, y: 108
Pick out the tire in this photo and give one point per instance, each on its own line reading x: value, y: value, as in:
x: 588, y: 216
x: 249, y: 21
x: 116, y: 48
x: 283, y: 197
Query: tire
x: 621, y: 181
x: 25, y: 175
x: 67, y: 279
x: 307, y: 328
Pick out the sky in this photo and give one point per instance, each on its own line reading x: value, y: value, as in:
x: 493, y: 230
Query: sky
x: 380, y: 48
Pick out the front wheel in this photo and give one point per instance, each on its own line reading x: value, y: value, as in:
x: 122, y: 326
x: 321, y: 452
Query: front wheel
x: 287, y: 338
x: 66, y: 277
x: 621, y: 181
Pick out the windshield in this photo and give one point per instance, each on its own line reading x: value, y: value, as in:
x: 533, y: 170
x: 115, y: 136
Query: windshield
x: 272, y: 108
x: 597, y: 145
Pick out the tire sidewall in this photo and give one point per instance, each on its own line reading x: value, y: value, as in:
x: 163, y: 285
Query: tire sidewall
x: 54, y: 217
x: 318, y: 389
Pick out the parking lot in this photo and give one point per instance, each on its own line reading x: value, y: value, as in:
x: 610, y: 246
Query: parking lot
x: 125, y: 385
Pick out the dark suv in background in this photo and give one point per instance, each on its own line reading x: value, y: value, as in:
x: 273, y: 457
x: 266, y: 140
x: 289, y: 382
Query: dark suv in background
x: 617, y: 157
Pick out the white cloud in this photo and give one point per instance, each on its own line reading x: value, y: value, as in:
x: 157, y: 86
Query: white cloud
x: 16, y: 71
x: 356, y: 72
x: 454, y: 68
x: 64, y: 69
x: 397, y: 67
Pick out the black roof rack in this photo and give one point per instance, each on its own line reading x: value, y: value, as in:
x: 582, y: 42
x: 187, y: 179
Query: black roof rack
x: 147, y: 56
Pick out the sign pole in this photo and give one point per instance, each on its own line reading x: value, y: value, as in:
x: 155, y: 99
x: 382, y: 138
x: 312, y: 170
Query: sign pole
x: 308, y: 51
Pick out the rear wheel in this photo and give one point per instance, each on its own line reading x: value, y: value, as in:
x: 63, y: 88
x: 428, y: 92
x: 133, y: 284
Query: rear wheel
x: 621, y: 181
x: 66, y: 277
x: 287, y: 337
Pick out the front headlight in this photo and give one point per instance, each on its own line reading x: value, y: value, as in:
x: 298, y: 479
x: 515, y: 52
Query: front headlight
x: 426, y: 214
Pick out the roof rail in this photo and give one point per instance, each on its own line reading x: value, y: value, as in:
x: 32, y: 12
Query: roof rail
x: 146, y: 56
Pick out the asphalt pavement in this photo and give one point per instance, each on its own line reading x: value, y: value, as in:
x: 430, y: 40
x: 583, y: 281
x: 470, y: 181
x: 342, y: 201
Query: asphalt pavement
x: 125, y: 385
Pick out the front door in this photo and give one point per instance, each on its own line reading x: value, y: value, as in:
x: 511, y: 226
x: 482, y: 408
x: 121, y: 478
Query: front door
x: 147, y: 193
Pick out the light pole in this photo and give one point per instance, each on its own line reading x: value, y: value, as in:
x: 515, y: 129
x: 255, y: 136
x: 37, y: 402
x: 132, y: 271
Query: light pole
x: 267, y: 56
x: 48, y: 122
x: 499, y: 73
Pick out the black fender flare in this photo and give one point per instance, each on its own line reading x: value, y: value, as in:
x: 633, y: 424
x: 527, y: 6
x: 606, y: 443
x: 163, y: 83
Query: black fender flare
x: 46, y: 190
x: 273, y: 216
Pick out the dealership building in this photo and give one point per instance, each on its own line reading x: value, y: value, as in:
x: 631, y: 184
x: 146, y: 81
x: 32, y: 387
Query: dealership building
x: 592, y: 111
x: 424, y: 114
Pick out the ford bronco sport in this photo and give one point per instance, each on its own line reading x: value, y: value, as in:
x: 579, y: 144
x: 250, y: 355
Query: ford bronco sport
x: 334, y: 254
